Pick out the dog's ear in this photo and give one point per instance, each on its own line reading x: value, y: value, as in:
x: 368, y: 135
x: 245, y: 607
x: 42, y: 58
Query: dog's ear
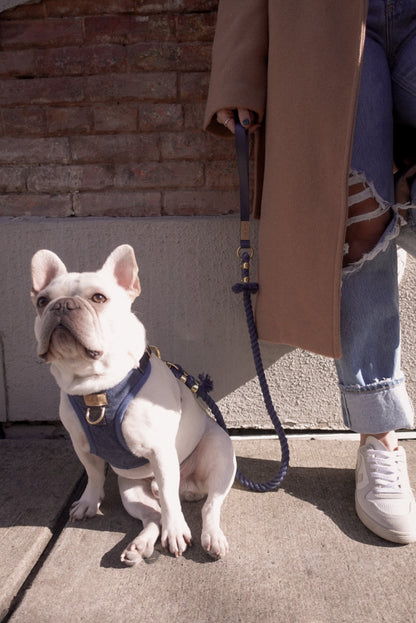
x: 122, y: 264
x: 45, y: 267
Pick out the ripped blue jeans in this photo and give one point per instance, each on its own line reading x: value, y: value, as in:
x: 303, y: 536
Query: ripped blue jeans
x: 373, y: 392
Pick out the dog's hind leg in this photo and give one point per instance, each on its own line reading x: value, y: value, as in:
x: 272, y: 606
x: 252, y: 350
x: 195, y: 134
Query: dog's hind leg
x: 139, y: 502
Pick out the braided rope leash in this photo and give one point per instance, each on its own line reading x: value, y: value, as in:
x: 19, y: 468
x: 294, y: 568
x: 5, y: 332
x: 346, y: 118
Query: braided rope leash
x: 247, y: 288
x: 203, y: 385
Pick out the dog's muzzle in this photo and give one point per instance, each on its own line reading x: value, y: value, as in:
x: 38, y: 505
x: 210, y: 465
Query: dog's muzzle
x: 74, y: 318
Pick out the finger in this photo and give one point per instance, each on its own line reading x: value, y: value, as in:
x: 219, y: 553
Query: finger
x: 245, y: 117
x: 248, y: 119
x: 225, y: 117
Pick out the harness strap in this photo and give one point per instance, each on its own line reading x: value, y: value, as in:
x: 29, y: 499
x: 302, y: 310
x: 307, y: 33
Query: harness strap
x: 101, y: 416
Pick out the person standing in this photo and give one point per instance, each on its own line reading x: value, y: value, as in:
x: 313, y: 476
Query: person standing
x: 323, y: 85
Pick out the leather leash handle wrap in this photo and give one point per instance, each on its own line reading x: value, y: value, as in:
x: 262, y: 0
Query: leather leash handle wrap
x: 246, y: 288
x: 243, y: 163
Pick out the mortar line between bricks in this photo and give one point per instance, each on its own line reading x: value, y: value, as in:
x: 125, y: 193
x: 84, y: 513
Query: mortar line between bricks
x: 57, y: 529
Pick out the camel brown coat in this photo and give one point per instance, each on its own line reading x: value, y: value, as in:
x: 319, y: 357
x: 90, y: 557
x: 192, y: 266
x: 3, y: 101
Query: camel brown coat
x: 296, y: 63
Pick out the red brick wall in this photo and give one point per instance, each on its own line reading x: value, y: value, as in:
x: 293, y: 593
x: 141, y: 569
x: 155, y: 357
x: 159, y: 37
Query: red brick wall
x: 101, y: 108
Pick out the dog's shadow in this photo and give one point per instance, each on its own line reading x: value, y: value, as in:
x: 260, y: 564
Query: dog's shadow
x: 327, y: 489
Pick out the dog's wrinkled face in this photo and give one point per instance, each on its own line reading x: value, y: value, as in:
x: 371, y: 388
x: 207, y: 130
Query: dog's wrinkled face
x: 83, y: 317
x: 70, y: 309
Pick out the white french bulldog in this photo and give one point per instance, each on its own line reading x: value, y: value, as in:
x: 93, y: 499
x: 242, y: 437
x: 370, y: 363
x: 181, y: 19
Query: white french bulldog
x: 163, y: 446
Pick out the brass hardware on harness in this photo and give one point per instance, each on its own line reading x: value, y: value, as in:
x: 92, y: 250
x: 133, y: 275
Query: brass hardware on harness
x: 184, y: 377
x: 98, y: 420
x: 155, y: 350
x: 95, y: 400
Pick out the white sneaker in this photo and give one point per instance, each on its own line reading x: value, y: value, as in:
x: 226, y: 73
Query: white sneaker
x: 383, y: 498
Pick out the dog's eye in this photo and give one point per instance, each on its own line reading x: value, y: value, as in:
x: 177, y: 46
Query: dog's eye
x: 42, y: 302
x: 98, y: 298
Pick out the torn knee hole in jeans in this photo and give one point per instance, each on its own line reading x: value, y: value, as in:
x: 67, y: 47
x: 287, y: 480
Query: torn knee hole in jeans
x: 365, y: 193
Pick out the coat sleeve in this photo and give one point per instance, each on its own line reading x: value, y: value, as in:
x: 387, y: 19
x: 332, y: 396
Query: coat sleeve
x: 239, y: 60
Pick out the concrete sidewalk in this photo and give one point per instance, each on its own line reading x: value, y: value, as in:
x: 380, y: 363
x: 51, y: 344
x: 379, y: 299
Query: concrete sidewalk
x: 297, y: 555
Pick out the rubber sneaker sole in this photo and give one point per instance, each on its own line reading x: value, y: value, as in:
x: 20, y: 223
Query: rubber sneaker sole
x: 403, y: 538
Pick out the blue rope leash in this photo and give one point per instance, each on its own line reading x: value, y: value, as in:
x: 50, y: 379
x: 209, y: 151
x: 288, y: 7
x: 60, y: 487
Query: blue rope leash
x: 245, y: 252
x: 203, y: 385
x: 247, y: 289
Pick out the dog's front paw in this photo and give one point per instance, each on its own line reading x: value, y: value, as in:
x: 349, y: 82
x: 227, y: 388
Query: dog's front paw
x: 215, y: 543
x: 176, y: 536
x: 83, y: 508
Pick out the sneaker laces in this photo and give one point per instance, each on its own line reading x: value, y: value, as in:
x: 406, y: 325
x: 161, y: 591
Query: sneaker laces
x: 386, y: 469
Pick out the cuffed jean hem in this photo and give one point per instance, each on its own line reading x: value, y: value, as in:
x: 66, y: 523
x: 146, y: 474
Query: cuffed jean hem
x: 377, y: 408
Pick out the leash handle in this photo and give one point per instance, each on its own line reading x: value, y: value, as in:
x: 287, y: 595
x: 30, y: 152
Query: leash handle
x: 243, y: 164
x: 245, y: 252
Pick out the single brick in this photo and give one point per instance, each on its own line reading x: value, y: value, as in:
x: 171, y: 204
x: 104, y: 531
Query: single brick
x: 57, y: 8
x: 195, y: 145
x: 26, y: 204
x: 115, y: 148
x: 192, y: 203
x: 158, y: 56
x: 196, y: 26
x: 24, y: 121
x: 17, y: 63
x: 127, y: 29
x: 199, y: 5
x: 70, y: 178
x: 115, y: 118
x: 160, y: 116
x: 193, y: 86
x: 40, y: 33
x: 118, y: 204
x: 41, y: 90
x: 12, y: 179
x: 222, y: 174
x: 16, y: 150
x: 137, y: 86
x: 160, y: 175
x: 73, y: 61
x: 194, y: 115
x: 69, y: 119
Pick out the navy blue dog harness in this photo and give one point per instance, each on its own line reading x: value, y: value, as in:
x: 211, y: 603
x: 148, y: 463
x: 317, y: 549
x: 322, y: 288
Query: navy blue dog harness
x: 101, y: 416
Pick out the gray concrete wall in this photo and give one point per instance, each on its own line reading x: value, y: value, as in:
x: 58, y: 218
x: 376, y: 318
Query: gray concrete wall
x: 187, y: 267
